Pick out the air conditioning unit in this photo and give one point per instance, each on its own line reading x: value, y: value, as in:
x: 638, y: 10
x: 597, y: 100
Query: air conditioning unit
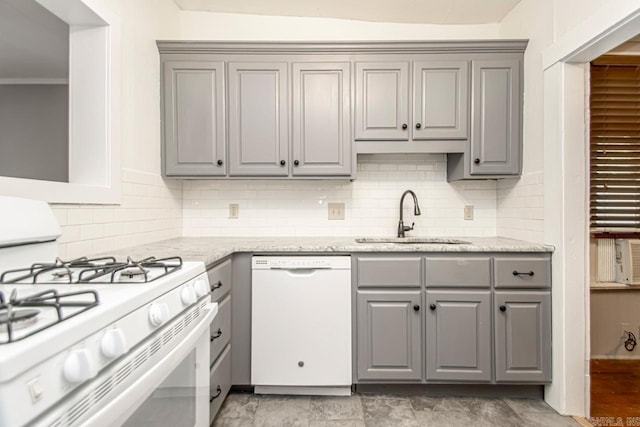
x: 628, y: 261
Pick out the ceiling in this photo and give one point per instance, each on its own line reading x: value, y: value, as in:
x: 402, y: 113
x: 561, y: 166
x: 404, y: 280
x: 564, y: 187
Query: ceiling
x: 34, y: 43
x: 400, y: 11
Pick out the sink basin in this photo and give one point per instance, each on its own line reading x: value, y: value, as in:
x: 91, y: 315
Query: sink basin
x: 413, y: 240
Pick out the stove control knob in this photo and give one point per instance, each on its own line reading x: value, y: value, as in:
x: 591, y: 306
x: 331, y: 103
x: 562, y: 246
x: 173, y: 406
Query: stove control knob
x: 158, y: 313
x: 201, y: 287
x: 79, y: 366
x: 113, y: 343
x: 188, y: 295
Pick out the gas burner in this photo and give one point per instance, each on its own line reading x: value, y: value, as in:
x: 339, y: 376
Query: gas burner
x: 136, y: 273
x: 19, y: 319
x: 96, y: 270
x: 14, y: 316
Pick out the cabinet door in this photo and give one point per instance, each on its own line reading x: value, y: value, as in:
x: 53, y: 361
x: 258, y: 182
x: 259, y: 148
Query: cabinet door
x: 458, y: 327
x: 389, y: 335
x: 382, y: 104
x: 258, y: 119
x: 321, y: 119
x: 441, y: 104
x: 495, y: 137
x: 194, y: 132
x: 523, y: 336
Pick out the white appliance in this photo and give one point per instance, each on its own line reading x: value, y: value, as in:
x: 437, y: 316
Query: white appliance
x: 301, y: 325
x: 628, y: 261
x: 98, y: 342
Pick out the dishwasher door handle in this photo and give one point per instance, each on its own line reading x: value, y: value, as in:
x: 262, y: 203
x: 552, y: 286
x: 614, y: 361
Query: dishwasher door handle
x: 300, y: 268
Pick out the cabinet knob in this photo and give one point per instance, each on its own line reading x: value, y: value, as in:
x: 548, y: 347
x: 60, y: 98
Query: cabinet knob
x: 503, y: 308
x: 476, y: 161
x: 416, y: 307
x: 219, y: 162
x: 432, y: 306
x: 282, y: 163
x: 404, y: 126
x: 418, y: 125
x: 296, y: 162
x: 301, y: 363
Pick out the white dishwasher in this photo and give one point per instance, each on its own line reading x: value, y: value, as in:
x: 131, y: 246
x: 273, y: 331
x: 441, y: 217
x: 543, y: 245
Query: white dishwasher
x: 301, y: 325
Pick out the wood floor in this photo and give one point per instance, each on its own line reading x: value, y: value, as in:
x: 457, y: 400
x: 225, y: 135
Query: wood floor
x: 615, y: 389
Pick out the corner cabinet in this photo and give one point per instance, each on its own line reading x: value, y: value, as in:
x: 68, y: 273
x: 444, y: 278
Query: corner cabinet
x: 194, y: 120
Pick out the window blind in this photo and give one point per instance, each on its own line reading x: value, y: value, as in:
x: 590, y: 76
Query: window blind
x: 615, y: 145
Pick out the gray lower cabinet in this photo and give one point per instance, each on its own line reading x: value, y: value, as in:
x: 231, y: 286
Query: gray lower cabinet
x: 522, y: 336
x: 321, y: 117
x: 389, y: 335
x: 458, y: 335
x: 258, y: 119
x: 193, y: 131
x: 220, y: 336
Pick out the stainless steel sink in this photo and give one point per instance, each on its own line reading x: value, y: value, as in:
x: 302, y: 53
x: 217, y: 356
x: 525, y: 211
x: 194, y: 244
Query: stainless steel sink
x: 413, y: 240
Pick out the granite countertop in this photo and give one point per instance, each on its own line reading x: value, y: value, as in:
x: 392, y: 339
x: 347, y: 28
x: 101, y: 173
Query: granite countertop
x: 212, y: 249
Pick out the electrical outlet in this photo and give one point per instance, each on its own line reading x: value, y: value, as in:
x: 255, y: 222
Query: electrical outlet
x: 234, y: 211
x: 335, y: 211
x: 468, y: 212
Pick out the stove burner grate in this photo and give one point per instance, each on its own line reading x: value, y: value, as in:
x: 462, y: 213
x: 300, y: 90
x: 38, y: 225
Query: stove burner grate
x: 19, y: 319
x: 15, y: 309
x: 98, y: 270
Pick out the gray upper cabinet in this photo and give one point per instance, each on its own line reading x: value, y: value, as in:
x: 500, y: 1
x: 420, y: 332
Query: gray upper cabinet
x: 523, y: 336
x: 495, y: 141
x: 389, y: 335
x: 495, y: 148
x: 258, y: 119
x: 321, y: 115
x: 194, y: 121
x: 441, y: 102
x: 382, y: 101
x: 458, y: 326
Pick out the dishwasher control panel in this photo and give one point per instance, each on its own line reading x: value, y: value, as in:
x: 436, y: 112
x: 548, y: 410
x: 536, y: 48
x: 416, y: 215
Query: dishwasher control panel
x: 300, y: 262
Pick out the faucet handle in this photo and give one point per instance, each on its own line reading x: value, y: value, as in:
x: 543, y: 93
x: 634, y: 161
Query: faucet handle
x: 407, y: 228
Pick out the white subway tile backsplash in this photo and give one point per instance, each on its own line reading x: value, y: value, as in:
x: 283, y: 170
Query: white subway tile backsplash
x: 520, y: 207
x: 151, y: 210
x: 298, y: 208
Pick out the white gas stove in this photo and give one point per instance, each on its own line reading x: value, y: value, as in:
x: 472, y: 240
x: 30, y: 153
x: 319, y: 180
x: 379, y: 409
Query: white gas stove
x: 100, y: 341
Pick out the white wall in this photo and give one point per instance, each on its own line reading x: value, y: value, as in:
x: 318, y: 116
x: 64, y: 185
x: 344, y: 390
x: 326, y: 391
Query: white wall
x: 520, y: 201
x: 230, y: 26
x: 151, y: 207
x: 299, y: 208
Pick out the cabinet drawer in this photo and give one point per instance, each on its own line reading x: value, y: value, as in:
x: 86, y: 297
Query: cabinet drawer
x: 220, y: 382
x: 220, y: 280
x: 389, y: 272
x: 522, y: 272
x: 458, y: 272
x: 220, y: 328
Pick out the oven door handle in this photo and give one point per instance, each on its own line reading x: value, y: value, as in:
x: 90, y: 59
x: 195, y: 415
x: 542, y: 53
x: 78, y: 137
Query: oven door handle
x: 114, y: 412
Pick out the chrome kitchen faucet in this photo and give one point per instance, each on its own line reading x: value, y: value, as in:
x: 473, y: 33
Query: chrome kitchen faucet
x: 416, y: 211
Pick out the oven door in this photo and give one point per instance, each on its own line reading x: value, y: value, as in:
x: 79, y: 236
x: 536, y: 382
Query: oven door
x: 170, y: 389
